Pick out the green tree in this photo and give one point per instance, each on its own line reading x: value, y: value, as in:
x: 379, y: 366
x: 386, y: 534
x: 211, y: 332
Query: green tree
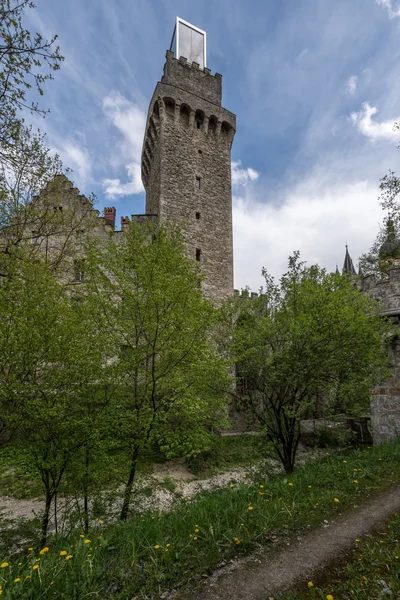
x: 169, y: 372
x: 53, y: 373
x: 312, y: 335
x: 27, y: 61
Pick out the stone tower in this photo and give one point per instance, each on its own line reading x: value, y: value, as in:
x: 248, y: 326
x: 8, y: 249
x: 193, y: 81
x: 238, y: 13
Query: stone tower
x: 186, y: 165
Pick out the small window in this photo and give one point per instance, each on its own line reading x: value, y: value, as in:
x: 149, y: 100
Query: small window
x: 198, y: 182
x: 55, y: 208
x: 198, y: 254
x: 198, y: 216
x: 200, y: 151
x: 79, y: 270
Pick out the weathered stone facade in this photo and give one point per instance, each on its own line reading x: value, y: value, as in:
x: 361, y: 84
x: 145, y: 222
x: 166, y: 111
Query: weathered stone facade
x: 385, y: 402
x: 186, y: 167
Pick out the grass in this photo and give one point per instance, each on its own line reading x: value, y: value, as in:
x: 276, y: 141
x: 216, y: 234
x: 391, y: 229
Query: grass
x: 154, y: 552
x: 372, y: 571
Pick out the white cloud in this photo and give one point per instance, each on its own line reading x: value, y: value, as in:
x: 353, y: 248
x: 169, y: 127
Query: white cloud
x: 373, y: 129
x: 76, y: 158
x: 130, y: 120
x: 241, y: 176
x: 393, y: 11
x: 316, y: 217
x: 351, y: 85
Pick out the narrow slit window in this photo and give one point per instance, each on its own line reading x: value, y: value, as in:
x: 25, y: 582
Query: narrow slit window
x: 198, y: 254
x: 198, y: 182
x: 198, y: 216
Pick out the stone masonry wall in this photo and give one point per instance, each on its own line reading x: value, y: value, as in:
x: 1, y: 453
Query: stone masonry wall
x: 385, y: 401
x: 186, y: 169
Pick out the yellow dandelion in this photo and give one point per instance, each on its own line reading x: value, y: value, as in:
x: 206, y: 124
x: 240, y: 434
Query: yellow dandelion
x: 17, y: 579
x: 379, y: 459
x: 100, y: 522
x: 355, y: 480
x: 35, y: 567
x: 309, y: 487
x: 63, y: 553
x: 245, y: 483
x: 290, y: 483
x: 365, y: 578
x: 168, y: 546
x: 87, y: 541
x: 196, y: 530
x: 396, y: 557
x: 237, y: 542
x: 261, y: 486
x: 336, y: 500
x: 20, y: 564
x: 30, y: 549
x: 232, y: 485
x: 68, y: 557
x: 156, y: 547
x: 81, y: 535
x: 4, y: 565
x: 357, y: 540
x: 195, y: 537
x: 250, y: 508
x: 310, y: 584
x: 38, y: 560
x: 241, y: 524
x: 345, y: 461
x: 28, y: 577
x: 329, y: 597
x: 44, y: 550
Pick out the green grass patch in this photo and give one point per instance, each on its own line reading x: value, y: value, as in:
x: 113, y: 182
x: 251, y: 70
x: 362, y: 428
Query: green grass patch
x: 153, y: 552
x: 372, y: 571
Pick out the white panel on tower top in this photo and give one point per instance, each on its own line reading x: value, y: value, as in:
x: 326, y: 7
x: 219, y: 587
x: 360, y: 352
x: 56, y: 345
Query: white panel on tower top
x: 190, y: 42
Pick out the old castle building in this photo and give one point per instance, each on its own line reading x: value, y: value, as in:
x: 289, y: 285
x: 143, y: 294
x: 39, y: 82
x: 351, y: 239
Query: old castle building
x: 186, y: 166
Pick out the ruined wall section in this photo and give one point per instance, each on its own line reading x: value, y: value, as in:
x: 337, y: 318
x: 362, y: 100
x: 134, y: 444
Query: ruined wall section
x: 385, y: 398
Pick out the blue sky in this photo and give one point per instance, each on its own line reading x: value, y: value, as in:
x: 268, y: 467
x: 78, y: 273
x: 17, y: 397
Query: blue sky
x: 315, y: 85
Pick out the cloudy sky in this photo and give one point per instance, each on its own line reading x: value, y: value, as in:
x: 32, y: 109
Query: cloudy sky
x: 315, y: 85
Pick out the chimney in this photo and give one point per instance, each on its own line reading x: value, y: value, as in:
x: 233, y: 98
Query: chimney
x: 109, y: 216
x: 124, y: 224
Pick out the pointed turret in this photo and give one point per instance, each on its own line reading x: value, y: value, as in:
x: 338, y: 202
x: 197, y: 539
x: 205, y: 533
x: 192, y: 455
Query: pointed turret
x: 348, y: 266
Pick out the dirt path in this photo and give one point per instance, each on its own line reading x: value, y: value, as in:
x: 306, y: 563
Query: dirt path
x: 267, y: 574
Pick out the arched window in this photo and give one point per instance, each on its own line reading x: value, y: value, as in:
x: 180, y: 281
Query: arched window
x: 185, y: 113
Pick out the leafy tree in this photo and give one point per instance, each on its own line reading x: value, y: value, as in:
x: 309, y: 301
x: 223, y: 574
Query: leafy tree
x: 169, y: 372
x: 27, y: 61
x: 371, y: 262
x: 23, y: 56
x: 53, y: 373
x: 312, y: 335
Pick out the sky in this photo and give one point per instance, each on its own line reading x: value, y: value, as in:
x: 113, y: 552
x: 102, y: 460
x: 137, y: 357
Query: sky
x: 315, y: 85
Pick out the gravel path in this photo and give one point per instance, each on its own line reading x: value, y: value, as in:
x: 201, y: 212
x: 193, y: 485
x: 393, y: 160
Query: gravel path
x: 264, y: 575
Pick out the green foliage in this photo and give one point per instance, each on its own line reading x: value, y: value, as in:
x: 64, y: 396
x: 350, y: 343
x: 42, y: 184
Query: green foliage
x: 312, y: 337
x: 169, y: 376
x: 153, y: 552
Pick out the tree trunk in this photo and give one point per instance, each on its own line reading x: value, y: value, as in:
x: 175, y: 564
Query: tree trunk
x: 128, y: 488
x: 46, y: 517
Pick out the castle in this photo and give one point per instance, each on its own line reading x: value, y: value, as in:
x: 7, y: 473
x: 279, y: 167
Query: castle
x: 186, y: 172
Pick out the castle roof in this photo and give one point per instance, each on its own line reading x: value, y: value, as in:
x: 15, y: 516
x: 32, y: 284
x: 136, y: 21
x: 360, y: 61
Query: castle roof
x: 348, y: 266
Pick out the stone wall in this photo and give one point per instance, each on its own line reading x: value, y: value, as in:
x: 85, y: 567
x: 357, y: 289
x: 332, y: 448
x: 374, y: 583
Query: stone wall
x: 385, y: 398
